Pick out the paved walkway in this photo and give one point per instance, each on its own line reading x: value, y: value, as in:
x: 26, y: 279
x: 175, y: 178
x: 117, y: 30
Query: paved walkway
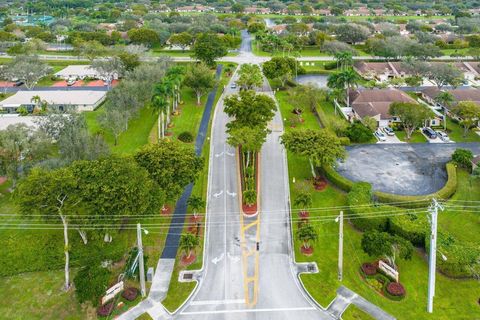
x: 345, y: 297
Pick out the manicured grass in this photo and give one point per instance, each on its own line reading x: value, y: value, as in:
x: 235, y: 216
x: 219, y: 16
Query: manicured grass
x: 315, y: 67
x: 131, y: 140
x: 455, y: 299
x: 462, y: 221
x: 39, y: 295
x: 449, y: 52
x: 354, y: 313
x: 455, y: 132
x: 308, y: 51
x: 417, y: 137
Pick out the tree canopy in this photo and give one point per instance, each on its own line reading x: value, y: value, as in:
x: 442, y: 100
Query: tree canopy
x: 208, y: 47
x: 412, y: 115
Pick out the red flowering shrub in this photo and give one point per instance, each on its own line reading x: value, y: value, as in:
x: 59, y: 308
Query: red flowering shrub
x: 105, y: 310
x: 130, y: 294
x: 369, y: 269
x: 396, y: 289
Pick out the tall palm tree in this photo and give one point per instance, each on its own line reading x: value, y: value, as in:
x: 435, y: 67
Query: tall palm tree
x: 307, y: 234
x: 344, y: 80
x: 175, y: 75
x: 196, y: 203
x: 188, y: 242
x: 303, y: 200
x: 344, y: 59
x: 36, y: 100
x: 160, y: 103
x: 446, y: 99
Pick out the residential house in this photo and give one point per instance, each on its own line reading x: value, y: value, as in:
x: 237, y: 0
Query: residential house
x: 322, y: 12
x: 256, y: 10
x: 61, y: 100
x: 375, y: 103
x: 460, y: 94
x: 194, y: 8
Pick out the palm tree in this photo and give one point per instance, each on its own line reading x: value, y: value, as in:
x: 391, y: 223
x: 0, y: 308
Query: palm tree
x: 343, y: 80
x: 446, y: 99
x: 36, y: 100
x: 160, y: 103
x: 175, y: 75
x: 196, y: 203
x: 344, y: 59
x: 188, y: 242
x: 303, y: 200
x: 307, y: 234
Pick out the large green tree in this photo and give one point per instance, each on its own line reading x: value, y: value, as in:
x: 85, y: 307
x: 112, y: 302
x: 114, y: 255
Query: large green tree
x: 412, y: 115
x: 172, y: 164
x: 249, y: 76
x: 383, y: 245
x: 280, y: 68
x: 249, y: 109
x: 208, y: 47
x: 469, y: 114
x: 51, y: 194
x: 200, y: 79
x: 321, y: 147
x: 344, y: 80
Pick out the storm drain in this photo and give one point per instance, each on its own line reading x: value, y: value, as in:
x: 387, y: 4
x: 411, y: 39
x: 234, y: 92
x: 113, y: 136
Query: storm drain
x: 187, y: 276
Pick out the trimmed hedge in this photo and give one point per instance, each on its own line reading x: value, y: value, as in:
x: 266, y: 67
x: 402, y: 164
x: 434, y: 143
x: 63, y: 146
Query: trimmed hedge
x: 412, y: 227
x: 358, y: 199
x: 446, y: 192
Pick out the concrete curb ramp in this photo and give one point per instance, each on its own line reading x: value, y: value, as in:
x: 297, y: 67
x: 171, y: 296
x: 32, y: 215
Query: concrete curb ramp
x: 345, y: 297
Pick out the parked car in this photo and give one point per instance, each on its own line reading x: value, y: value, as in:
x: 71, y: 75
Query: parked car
x: 17, y: 83
x: 71, y: 82
x: 430, y: 133
x: 442, y: 135
x: 380, y: 136
x: 233, y: 86
x: 388, y: 131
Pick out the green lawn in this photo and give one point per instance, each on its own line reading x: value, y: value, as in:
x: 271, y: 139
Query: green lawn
x: 309, y: 51
x: 455, y: 132
x: 354, y: 313
x: 39, y: 295
x: 449, y: 52
x: 131, y: 140
x: 455, y: 299
x: 315, y: 67
x: 417, y: 137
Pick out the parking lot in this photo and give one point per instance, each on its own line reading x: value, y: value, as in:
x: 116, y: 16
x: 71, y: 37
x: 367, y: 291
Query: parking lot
x: 408, y: 169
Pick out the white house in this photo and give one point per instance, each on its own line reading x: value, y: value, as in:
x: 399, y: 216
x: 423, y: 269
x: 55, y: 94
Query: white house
x: 78, y: 72
x: 62, y: 100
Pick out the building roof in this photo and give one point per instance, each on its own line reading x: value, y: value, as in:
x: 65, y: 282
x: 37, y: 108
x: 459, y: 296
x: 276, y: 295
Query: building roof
x: 373, y: 102
x: 460, y: 94
x: 55, y: 97
x: 13, y: 119
x: 77, y: 70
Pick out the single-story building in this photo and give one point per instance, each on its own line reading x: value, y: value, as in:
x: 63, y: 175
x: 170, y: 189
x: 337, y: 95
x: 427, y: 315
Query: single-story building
x: 460, y: 94
x: 78, y: 72
x: 375, y: 103
x: 61, y: 100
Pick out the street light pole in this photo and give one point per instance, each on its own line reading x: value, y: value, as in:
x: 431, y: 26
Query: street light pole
x: 141, y: 267
x: 340, y: 245
x: 432, y: 261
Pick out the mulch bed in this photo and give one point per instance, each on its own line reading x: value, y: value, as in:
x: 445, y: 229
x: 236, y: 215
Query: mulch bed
x: 320, y: 183
x: 249, y: 210
x: 3, y: 180
x: 304, y: 214
x: 166, y: 210
x: 186, y: 261
x: 306, y: 251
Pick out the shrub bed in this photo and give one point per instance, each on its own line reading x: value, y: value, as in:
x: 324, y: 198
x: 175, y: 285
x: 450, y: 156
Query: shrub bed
x: 105, y: 310
x: 361, y: 214
x: 412, y: 227
x: 394, y: 291
x: 130, y: 294
x: 369, y: 269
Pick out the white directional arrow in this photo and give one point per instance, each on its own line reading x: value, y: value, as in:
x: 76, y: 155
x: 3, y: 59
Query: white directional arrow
x: 218, y: 154
x: 232, y: 194
x: 217, y: 260
x: 218, y: 194
x: 231, y: 154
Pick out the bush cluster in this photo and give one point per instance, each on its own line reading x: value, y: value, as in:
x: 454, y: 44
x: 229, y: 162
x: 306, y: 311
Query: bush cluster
x: 105, y: 310
x: 369, y: 269
x: 130, y: 294
x: 186, y: 137
x: 394, y: 290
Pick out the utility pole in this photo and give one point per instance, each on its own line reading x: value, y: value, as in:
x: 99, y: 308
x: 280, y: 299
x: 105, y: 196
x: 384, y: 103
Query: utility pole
x: 432, y: 261
x: 340, y: 246
x: 141, y: 267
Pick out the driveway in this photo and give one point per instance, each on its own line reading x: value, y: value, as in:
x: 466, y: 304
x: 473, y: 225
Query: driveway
x: 408, y: 169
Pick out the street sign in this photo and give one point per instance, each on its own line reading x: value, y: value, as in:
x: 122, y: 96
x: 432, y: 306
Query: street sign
x: 388, y: 270
x: 112, y: 292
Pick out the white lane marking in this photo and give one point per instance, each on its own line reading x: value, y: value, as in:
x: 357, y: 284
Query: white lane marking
x: 233, y: 258
x: 218, y: 194
x: 218, y: 259
x: 232, y: 194
x: 218, y: 154
x: 248, y: 310
x: 231, y: 154
x: 216, y: 302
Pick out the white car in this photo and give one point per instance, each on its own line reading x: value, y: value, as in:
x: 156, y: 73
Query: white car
x: 443, y: 136
x: 71, y: 81
x: 380, y: 136
x: 233, y: 86
x: 389, y: 131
